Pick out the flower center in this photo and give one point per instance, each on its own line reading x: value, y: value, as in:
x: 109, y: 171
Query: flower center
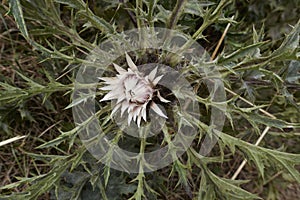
x: 137, y: 90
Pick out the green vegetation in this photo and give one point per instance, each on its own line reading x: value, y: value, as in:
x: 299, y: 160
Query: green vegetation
x: 43, y: 44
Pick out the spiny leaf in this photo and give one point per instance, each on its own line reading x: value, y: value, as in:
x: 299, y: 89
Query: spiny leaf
x: 240, y: 53
x: 78, y: 4
x: 290, y: 43
x: 293, y: 73
x: 262, y: 156
x: 16, y: 10
x: 60, y: 139
x: 227, y: 189
x: 195, y: 7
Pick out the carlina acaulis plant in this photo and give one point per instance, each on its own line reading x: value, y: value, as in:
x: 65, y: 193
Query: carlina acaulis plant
x: 43, y: 45
x: 133, y: 91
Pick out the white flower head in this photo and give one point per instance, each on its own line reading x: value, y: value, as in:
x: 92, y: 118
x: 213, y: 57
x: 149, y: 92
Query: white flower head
x: 133, y: 91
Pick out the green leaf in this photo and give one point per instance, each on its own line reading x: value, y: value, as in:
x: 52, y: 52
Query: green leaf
x: 64, y: 136
x: 293, y: 74
x: 72, y: 3
x: 241, y: 53
x: 195, y: 7
x: 97, y: 21
x: 16, y: 10
x: 288, y: 46
x: 262, y: 156
x: 22, y: 181
x: 272, y: 122
x: 228, y: 189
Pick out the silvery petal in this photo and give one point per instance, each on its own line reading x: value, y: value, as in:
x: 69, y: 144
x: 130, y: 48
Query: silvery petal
x: 117, y: 106
x: 121, y: 98
x: 109, y: 96
x: 122, y: 76
x: 139, y: 121
x: 130, y: 63
x: 135, y: 114
x: 156, y: 109
x: 147, y: 78
x: 119, y: 69
x: 156, y: 80
x: 129, y: 118
x: 131, y: 107
x: 125, y: 105
x: 129, y: 71
x: 108, y: 79
x: 138, y: 111
x: 108, y: 87
x: 127, y: 94
x: 144, y: 113
x: 152, y: 74
x: 161, y: 98
x: 130, y: 83
x: 118, y: 91
x: 140, y: 90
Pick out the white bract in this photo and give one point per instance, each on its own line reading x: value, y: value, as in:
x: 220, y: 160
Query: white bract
x: 133, y: 92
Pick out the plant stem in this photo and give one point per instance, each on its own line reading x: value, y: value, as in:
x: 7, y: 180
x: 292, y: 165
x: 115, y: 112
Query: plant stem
x: 176, y: 14
x: 11, y: 140
x: 242, y: 165
x: 221, y: 40
x: 138, y: 14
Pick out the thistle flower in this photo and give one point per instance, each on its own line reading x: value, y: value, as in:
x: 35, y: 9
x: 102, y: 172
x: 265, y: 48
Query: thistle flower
x: 133, y: 92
